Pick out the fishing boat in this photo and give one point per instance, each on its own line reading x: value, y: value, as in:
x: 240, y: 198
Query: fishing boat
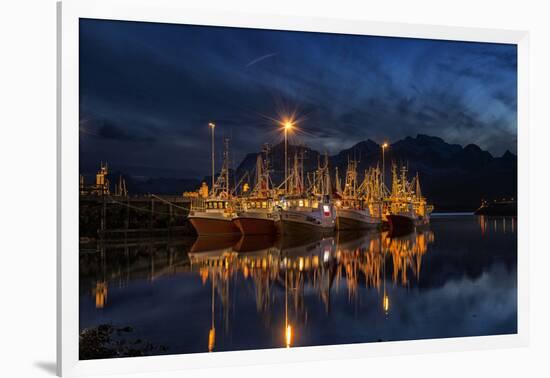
x: 214, y: 215
x: 402, y: 222
x: 407, y: 207
x: 255, y: 215
x: 354, y: 209
x: 306, y: 211
x: 305, y: 215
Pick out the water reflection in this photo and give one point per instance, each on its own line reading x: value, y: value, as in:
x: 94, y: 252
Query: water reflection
x: 497, y: 224
x: 196, y: 294
x: 296, y: 265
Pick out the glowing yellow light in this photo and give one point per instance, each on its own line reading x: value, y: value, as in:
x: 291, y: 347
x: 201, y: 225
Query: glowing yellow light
x: 204, y: 274
x: 386, y: 303
x: 211, y: 339
x: 212, y: 125
x: 100, y: 294
x: 288, y: 125
x: 288, y: 336
x: 315, y: 261
x: 385, y: 145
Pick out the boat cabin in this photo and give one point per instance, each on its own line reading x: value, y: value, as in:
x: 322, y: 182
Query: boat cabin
x: 216, y: 204
x: 258, y: 204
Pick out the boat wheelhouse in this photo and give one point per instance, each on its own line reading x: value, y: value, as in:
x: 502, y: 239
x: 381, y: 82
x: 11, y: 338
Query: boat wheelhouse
x: 307, y: 211
x: 407, y: 208
x: 355, y: 210
x: 255, y: 214
x: 214, y: 215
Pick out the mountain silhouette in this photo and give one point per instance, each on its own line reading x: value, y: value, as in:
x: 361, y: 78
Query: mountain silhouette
x: 453, y: 178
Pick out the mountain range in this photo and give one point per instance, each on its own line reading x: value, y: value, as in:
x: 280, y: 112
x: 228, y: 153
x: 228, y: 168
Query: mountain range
x: 453, y: 178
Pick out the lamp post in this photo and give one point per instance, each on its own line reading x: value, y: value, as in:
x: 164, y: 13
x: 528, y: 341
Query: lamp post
x: 212, y: 126
x: 287, y: 126
x: 384, y: 146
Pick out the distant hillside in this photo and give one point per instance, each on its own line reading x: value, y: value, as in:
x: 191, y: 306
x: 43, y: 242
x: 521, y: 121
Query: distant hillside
x: 453, y: 178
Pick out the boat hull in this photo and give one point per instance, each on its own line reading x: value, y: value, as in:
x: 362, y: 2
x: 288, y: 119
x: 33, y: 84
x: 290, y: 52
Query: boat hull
x: 209, y: 225
x: 293, y: 223
x: 355, y: 220
x: 400, y: 223
x: 251, y: 224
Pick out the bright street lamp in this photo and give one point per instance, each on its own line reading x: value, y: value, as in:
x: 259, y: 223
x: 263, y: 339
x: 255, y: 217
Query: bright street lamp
x: 287, y: 125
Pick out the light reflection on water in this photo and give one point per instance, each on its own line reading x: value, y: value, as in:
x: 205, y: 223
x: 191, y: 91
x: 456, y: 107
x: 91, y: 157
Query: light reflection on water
x: 455, y: 278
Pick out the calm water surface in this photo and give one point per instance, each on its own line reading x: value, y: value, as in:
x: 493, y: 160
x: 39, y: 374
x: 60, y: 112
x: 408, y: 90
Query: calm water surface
x: 456, y: 278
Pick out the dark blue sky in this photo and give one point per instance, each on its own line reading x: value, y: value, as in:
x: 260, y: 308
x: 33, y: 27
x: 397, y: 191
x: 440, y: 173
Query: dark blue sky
x: 148, y: 91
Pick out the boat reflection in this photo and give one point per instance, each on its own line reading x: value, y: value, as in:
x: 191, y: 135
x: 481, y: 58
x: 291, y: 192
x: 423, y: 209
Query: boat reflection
x: 293, y: 267
x: 220, y: 294
x: 497, y: 224
x: 297, y: 266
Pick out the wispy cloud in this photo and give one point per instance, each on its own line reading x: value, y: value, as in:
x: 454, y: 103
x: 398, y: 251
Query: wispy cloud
x: 259, y: 59
x: 161, y: 85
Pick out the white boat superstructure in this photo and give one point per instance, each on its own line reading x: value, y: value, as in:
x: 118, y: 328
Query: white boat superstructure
x: 357, y: 209
x: 407, y: 207
x: 307, y: 211
x: 305, y: 215
x: 256, y: 214
x: 213, y: 215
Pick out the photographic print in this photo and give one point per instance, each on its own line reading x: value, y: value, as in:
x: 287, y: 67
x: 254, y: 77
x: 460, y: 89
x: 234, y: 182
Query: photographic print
x: 250, y: 189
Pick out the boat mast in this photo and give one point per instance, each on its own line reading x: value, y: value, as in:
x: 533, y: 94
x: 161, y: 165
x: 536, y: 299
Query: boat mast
x: 418, y: 192
x: 226, y: 165
x: 212, y: 126
x: 350, y: 188
x: 266, y: 167
x: 326, y: 177
x: 302, y: 152
x: 259, y: 173
x: 222, y: 183
x: 338, y: 185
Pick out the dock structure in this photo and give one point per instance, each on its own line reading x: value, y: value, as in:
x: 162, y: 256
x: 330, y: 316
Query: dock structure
x: 112, y: 217
x: 105, y: 214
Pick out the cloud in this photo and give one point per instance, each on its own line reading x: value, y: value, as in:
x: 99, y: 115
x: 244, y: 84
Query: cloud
x: 259, y: 59
x: 162, y: 84
x: 110, y: 130
x: 508, y: 99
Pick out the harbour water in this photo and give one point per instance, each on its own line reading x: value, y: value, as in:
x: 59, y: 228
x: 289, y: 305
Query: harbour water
x: 456, y: 277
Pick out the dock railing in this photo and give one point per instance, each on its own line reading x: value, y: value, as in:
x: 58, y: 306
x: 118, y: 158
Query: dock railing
x: 198, y: 204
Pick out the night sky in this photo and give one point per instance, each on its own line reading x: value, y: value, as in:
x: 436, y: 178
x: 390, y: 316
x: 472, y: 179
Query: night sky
x: 148, y: 91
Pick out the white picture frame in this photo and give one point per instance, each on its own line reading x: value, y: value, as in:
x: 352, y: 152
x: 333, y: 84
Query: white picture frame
x: 165, y: 11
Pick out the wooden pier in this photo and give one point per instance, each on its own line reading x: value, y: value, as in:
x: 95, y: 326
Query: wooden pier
x: 115, y: 217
